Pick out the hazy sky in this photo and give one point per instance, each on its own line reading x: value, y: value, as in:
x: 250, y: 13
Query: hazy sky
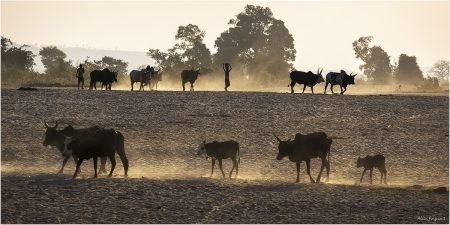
x: 323, y: 30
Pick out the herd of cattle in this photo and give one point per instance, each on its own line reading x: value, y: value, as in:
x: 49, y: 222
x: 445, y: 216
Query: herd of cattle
x: 95, y: 142
x: 149, y: 76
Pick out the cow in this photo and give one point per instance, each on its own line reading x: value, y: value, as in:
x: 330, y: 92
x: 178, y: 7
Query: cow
x: 105, y: 76
x: 144, y: 77
x: 189, y: 76
x: 304, y: 148
x: 369, y: 162
x: 219, y: 151
x: 156, y: 77
x: 342, y: 79
x: 307, y: 79
x: 54, y: 137
x: 101, y: 143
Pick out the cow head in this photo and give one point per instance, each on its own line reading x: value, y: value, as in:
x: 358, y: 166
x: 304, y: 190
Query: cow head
x: 114, y: 73
x: 283, y: 148
x: 350, y: 78
x: 52, y: 136
x: 360, y: 162
x: 319, y: 76
x: 201, y: 148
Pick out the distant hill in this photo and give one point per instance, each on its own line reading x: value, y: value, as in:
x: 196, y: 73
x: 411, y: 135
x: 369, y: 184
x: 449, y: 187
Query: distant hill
x: 77, y: 55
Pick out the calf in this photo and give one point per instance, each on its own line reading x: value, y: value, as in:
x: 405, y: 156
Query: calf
x: 220, y: 151
x: 304, y: 148
x: 102, y: 143
x: 369, y: 162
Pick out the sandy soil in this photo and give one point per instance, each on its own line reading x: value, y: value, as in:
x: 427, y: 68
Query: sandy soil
x: 167, y: 181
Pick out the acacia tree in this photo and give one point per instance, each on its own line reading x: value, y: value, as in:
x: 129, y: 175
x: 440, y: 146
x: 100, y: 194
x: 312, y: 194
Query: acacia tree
x: 188, y: 53
x: 377, y: 66
x: 257, y: 44
x: 55, y: 63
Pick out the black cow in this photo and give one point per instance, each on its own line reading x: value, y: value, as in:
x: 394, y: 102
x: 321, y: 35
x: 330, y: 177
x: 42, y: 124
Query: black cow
x: 189, y: 76
x: 219, y: 151
x: 144, y: 76
x: 342, y: 79
x: 54, y: 137
x: 304, y: 148
x: 105, y: 76
x: 307, y: 79
x: 101, y: 143
x: 369, y: 162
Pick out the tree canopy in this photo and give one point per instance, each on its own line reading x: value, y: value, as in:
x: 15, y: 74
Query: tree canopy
x: 55, y: 62
x: 257, y: 44
x: 440, y: 70
x: 377, y: 66
x: 408, y: 71
x: 16, y: 61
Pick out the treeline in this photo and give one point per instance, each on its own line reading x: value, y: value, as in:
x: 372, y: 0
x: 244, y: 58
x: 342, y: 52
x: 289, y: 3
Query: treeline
x: 17, y: 66
x: 258, y: 45
x: 378, y: 68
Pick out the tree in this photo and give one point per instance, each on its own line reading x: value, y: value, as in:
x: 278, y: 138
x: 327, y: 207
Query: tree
x: 376, y: 65
x: 16, y: 61
x: 189, y: 52
x: 112, y: 64
x: 408, y: 71
x: 55, y: 63
x: 440, y: 70
x: 258, y: 44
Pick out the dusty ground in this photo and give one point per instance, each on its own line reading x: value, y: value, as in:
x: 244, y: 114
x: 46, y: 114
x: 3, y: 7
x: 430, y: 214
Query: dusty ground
x: 167, y: 181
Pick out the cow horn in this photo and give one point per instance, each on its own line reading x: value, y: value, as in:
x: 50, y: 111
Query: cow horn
x: 321, y: 71
x: 279, y: 140
x: 45, y: 124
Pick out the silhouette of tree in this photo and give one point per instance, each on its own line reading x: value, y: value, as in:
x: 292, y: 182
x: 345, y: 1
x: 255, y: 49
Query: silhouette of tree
x: 376, y: 65
x: 112, y: 64
x: 16, y: 61
x: 189, y: 52
x: 55, y: 63
x: 408, y: 72
x: 257, y: 43
x: 440, y: 70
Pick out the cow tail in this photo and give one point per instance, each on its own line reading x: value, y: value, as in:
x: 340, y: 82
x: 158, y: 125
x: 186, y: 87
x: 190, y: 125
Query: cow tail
x: 120, y: 149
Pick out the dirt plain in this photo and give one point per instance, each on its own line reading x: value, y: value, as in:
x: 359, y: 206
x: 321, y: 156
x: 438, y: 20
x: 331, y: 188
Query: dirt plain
x: 169, y: 183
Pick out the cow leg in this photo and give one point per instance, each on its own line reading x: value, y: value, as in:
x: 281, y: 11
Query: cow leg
x: 213, y: 163
x: 308, y: 170
x: 328, y: 170
x: 221, y: 169
x: 324, y: 162
x: 64, y: 164
x: 360, y: 181
x: 112, y: 158
x: 132, y: 86
x: 304, y: 87
x: 182, y: 83
x: 342, y: 92
x: 78, y: 168
x: 95, y: 167
x: 331, y: 88
x: 192, y: 86
x: 312, y: 89
x: 103, y: 165
x: 298, y: 172
x: 345, y: 89
x: 326, y: 85
x: 292, y: 87
x: 371, y: 172
x: 234, y: 166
